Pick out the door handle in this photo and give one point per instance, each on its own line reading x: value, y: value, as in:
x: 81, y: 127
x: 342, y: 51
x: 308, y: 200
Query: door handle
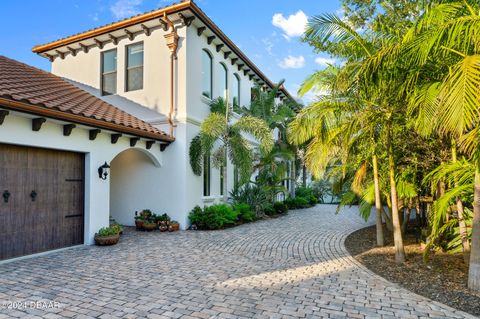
x: 6, y: 196
x: 33, y: 195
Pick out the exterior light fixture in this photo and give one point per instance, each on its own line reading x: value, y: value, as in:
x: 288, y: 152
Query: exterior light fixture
x: 103, y: 171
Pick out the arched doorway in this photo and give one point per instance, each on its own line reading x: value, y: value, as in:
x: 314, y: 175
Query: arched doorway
x: 134, y: 185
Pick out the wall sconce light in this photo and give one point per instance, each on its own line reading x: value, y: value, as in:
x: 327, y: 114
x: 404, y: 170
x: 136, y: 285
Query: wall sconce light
x: 103, y: 171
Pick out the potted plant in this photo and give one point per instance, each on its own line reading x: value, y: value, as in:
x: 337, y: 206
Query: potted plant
x: 146, y: 214
x: 138, y: 221
x: 174, y: 226
x: 163, y: 226
x: 149, y: 226
x: 107, y: 236
x: 118, y: 228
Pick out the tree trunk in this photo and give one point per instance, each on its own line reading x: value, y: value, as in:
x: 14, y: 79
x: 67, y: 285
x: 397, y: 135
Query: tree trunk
x: 225, y: 180
x: 474, y: 269
x: 397, y: 230
x: 408, y: 212
x: 378, y: 203
x: 293, y: 179
x: 462, y: 227
x: 304, y: 175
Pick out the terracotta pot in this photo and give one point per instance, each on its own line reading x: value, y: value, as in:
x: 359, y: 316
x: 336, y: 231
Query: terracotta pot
x: 107, y: 240
x: 139, y: 224
x: 149, y: 227
x: 174, y: 227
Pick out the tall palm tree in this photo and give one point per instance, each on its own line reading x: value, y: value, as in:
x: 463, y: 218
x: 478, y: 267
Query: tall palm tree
x: 223, y: 137
x: 374, y: 97
x: 451, y: 32
x: 277, y: 116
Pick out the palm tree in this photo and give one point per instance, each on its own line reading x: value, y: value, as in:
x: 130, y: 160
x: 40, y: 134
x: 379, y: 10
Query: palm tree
x: 224, y: 138
x: 277, y: 117
x: 450, y: 32
x: 375, y: 98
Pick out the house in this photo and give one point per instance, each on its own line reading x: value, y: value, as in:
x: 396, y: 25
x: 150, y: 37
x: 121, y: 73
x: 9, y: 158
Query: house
x: 130, y: 95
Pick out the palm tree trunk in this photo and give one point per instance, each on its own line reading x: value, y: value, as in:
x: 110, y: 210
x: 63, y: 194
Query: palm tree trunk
x: 461, y: 215
x: 474, y: 269
x: 225, y: 184
x: 304, y: 175
x: 397, y: 230
x: 292, y: 179
x: 378, y: 203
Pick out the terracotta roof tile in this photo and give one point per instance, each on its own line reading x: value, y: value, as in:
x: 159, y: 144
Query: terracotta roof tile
x: 23, y: 83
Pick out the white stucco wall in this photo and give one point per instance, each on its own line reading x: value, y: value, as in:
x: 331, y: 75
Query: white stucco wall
x: 184, y: 189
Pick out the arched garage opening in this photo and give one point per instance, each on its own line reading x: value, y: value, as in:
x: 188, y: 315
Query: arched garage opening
x: 134, y: 185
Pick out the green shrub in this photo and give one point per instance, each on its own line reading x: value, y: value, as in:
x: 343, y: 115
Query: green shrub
x: 269, y: 210
x: 308, y: 193
x: 301, y: 202
x: 213, y: 217
x: 303, y: 192
x: 108, y: 231
x: 244, y: 212
x: 312, y: 199
x: 196, y: 216
x: 255, y: 196
x: 297, y: 203
x: 280, y: 208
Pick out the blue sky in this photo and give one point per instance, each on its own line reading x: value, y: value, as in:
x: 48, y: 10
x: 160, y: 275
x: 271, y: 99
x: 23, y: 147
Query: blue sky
x: 266, y: 30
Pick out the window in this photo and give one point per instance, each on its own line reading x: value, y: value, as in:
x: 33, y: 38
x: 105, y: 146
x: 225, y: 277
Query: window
x: 224, y: 81
x: 109, y: 72
x: 206, y: 176
x: 236, y: 90
x: 134, y: 72
x: 207, y: 81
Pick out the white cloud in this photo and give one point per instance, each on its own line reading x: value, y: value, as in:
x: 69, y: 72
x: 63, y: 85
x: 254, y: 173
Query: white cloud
x: 293, y: 26
x: 324, y: 61
x: 125, y: 8
x: 268, y: 46
x: 292, y: 62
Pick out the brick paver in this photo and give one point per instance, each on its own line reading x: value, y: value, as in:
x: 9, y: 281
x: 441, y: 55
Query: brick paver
x: 291, y: 267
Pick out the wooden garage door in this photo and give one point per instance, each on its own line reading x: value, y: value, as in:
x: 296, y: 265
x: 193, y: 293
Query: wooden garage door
x: 44, y: 209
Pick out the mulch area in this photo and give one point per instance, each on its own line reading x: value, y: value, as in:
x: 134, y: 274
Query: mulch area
x: 443, y: 278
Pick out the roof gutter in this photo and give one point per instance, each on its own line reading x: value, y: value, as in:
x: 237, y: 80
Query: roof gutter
x: 59, y: 115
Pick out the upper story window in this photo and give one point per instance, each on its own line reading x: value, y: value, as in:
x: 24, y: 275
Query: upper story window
x: 236, y: 90
x: 109, y: 72
x: 223, y: 81
x: 134, y: 71
x: 207, y: 81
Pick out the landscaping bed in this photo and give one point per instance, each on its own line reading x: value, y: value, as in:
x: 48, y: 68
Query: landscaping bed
x: 443, y: 278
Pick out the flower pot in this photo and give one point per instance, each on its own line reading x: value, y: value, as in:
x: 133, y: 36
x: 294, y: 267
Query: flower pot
x: 107, y: 240
x: 163, y: 228
x: 139, y: 224
x: 174, y: 227
x: 149, y: 227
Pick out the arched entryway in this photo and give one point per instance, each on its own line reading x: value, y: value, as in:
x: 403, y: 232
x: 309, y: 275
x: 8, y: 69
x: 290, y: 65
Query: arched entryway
x: 134, y: 184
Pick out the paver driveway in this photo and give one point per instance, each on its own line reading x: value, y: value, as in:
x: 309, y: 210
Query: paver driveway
x: 290, y: 267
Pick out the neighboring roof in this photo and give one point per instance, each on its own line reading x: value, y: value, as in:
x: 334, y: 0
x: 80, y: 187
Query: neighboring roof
x: 103, y: 33
x: 28, y: 89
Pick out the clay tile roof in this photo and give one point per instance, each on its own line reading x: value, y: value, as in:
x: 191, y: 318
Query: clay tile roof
x: 45, y: 94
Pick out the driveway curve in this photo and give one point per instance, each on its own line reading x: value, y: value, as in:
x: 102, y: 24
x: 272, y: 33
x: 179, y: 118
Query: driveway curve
x: 295, y: 266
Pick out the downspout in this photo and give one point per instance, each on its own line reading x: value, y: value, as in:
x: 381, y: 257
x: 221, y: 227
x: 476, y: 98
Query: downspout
x: 172, y: 44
